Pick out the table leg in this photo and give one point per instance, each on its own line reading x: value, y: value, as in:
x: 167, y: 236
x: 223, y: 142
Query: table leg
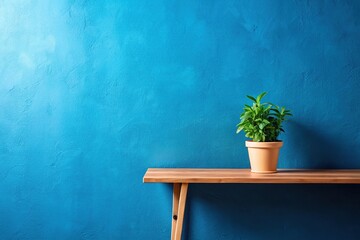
x: 179, y: 217
x: 176, y: 195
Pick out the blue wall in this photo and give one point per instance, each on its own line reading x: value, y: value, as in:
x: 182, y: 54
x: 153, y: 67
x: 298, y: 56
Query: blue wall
x: 94, y: 93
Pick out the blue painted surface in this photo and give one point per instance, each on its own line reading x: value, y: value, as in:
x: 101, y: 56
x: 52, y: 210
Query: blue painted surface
x: 94, y: 93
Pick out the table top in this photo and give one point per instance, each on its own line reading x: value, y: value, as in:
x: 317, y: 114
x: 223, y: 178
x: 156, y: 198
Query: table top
x: 212, y: 175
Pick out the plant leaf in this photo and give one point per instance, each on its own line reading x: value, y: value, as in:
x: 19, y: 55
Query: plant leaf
x: 251, y: 98
x: 258, y: 99
x: 239, y: 129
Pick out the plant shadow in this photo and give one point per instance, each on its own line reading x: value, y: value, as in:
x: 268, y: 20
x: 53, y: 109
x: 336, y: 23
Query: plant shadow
x: 310, y: 148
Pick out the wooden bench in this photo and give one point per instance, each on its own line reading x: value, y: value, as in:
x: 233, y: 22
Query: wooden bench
x: 182, y: 177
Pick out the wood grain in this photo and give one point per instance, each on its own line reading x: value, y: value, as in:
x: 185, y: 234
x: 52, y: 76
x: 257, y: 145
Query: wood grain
x: 181, y: 211
x: 194, y: 175
x: 176, y: 195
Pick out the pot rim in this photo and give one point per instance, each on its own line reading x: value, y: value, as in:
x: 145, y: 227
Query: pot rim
x: 252, y: 144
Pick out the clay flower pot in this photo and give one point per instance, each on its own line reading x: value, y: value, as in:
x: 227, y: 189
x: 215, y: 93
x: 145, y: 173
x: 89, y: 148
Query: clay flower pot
x: 263, y: 156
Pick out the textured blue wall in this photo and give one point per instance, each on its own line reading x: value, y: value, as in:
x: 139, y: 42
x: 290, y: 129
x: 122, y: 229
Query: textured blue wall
x: 94, y: 93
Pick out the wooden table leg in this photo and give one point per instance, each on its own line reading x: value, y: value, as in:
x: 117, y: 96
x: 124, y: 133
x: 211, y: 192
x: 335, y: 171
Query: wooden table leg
x: 176, y: 195
x: 181, y: 211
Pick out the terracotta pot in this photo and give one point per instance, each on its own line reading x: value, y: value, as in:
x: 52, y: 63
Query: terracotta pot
x: 263, y: 156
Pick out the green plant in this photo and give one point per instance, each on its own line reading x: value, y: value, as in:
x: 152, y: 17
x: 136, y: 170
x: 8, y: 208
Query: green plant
x: 262, y: 121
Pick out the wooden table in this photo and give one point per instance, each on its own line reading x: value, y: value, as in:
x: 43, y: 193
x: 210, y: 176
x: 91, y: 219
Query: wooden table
x: 182, y: 177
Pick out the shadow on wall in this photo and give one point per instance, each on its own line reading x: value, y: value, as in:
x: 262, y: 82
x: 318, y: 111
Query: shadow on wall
x: 314, y: 148
x: 231, y: 211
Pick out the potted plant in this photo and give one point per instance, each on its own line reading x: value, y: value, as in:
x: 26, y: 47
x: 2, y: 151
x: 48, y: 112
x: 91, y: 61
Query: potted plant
x: 262, y: 122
